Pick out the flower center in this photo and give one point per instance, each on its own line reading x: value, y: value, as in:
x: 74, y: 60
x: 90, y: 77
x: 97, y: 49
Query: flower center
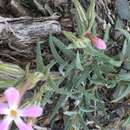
x: 13, y: 113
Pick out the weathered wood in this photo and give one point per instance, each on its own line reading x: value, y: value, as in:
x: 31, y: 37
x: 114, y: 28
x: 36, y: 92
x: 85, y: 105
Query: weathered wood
x: 27, y: 29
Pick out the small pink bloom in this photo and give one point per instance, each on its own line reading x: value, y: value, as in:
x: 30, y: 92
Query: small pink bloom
x: 13, y: 113
x: 99, y: 43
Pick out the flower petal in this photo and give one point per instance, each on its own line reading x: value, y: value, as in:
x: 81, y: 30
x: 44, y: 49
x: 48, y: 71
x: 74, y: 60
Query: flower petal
x: 13, y: 97
x: 3, y: 108
x: 100, y: 44
x: 31, y: 111
x: 21, y: 125
x: 5, y: 123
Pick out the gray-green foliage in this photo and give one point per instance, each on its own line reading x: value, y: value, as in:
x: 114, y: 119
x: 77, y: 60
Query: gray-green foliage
x: 84, y: 70
x: 80, y: 71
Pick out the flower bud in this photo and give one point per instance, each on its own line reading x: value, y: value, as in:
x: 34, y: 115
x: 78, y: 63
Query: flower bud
x: 97, y: 42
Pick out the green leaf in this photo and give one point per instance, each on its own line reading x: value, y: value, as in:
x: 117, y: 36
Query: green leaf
x: 81, y: 18
x: 61, y: 69
x: 127, y: 122
x: 91, y: 15
x: 77, y: 42
x: 124, y: 77
x: 68, y: 124
x: 89, y: 96
x: 81, y: 78
x: 39, y: 60
x: 86, y: 111
x: 125, y: 33
x: 80, y: 11
x: 57, y: 57
x: 47, y: 97
x: 124, y: 51
x: 70, y: 113
x: 78, y: 62
x: 59, y: 104
x: 69, y: 53
x: 10, y: 71
x: 81, y: 120
x: 121, y: 92
x: 7, y: 83
x: 107, y: 31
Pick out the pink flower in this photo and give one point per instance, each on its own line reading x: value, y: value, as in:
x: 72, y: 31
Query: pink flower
x: 99, y: 43
x: 13, y: 113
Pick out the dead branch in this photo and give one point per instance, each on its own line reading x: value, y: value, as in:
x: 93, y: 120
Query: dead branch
x: 27, y: 29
